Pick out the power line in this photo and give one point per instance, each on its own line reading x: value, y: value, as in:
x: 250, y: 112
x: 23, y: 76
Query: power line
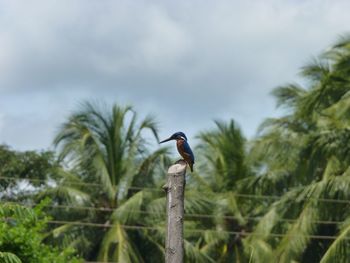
x: 107, y: 209
x: 78, y: 183
x: 253, y: 196
x: 240, y: 233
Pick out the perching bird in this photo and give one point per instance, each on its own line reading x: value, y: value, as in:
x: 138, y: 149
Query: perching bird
x: 183, y: 147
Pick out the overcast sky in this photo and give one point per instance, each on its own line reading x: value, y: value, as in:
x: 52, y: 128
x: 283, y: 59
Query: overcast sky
x: 187, y: 62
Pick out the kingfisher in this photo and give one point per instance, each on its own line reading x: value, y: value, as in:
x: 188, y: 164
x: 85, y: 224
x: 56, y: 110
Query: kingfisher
x: 183, y: 147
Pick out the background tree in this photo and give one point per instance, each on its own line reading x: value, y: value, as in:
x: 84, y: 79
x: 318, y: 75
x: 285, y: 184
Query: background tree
x: 222, y: 164
x: 304, y: 157
x: 17, y: 167
x: 22, y: 234
x: 110, y: 164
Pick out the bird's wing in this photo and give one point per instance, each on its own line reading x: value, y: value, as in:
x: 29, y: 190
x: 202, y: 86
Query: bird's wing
x: 188, y: 150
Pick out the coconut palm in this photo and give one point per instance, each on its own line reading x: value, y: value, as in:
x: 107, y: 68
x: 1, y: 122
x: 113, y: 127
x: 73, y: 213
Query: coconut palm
x: 222, y: 163
x: 106, y: 152
x: 303, y: 156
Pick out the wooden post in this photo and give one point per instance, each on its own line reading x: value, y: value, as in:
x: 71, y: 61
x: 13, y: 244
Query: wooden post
x: 175, y: 190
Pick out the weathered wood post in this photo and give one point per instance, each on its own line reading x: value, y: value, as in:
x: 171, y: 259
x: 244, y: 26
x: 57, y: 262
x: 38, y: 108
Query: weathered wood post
x: 175, y: 190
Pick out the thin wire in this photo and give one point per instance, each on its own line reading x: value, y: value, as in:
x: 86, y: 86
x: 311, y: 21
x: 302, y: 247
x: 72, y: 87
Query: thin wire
x: 342, y: 201
x: 107, y: 209
x: 78, y: 183
x: 132, y: 227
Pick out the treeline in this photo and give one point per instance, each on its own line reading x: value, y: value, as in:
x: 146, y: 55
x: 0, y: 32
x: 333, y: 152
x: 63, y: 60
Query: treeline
x: 282, y: 197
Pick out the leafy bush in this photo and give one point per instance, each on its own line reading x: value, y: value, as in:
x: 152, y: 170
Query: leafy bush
x: 21, y: 237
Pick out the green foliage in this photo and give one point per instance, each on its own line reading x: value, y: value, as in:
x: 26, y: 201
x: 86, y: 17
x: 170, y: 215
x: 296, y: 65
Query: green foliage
x: 21, y: 237
x: 223, y: 151
x: 223, y: 164
x: 29, y: 164
x: 6, y: 257
x: 304, y: 156
x: 107, y: 149
x: 339, y: 249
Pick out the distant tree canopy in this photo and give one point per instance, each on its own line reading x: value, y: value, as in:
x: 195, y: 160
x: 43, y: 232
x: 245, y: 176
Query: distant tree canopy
x: 21, y: 165
x: 303, y: 157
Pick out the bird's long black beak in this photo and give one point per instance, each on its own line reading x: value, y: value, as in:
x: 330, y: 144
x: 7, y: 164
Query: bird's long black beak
x: 166, y: 140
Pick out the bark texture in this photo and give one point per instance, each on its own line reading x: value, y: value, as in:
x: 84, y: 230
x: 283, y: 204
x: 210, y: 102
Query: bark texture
x: 175, y: 190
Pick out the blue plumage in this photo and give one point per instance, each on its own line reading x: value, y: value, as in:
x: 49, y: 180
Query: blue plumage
x: 188, y: 150
x: 183, y: 147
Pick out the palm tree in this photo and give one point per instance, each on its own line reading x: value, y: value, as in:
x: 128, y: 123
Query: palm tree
x: 223, y: 150
x: 303, y: 157
x: 108, y: 166
x: 222, y: 163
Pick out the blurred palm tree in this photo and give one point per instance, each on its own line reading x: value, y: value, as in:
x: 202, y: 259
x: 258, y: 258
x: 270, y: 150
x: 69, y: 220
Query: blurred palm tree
x: 223, y: 149
x: 109, y: 164
x: 222, y: 164
x: 304, y: 157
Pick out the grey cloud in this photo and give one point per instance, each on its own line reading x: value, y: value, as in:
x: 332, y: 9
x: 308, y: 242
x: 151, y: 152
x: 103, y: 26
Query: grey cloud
x: 187, y: 62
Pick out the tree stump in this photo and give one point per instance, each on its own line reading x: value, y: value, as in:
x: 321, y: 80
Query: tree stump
x: 175, y: 191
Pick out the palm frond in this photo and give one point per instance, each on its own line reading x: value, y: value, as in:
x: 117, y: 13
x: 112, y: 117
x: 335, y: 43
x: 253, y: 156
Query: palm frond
x: 116, y: 246
x: 339, y: 249
x: 65, y: 193
x: 259, y: 251
x: 197, y: 203
x: 298, y: 236
x: 7, y: 257
x: 288, y: 95
x: 194, y: 254
x: 130, y: 211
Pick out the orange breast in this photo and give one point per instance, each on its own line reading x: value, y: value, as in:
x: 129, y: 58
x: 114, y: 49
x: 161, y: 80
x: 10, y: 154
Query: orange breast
x: 181, y: 150
x: 180, y: 147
